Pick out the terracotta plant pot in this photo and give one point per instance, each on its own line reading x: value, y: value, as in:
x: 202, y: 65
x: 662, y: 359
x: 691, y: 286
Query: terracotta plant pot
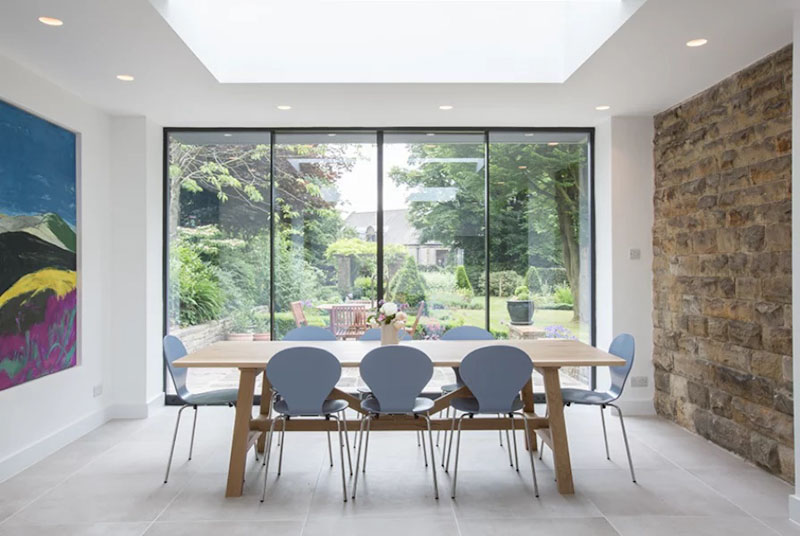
x: 261, y: 337
x: 239, y: 337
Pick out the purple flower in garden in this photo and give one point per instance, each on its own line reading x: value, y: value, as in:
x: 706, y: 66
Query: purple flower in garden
x: 381, y: 302
x: 558, y: 332
x: 307, y: 303
x: 433, y: 331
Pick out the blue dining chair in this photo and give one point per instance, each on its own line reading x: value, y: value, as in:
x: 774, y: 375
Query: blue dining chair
x: 495, y: 376
x: 374, y: 334
x: 309, y: 333
x: 174, y: 349
x: 312, y: 333
x: 623, y: 346
x: 465, y: 333
x: 304, y: 377
x: 396, y: 376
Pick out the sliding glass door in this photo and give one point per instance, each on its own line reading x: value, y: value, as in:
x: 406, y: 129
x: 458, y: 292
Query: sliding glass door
x: 266, y: 230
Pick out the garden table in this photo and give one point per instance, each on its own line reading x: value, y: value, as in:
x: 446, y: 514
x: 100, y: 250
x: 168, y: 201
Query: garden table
x: 251, y: 358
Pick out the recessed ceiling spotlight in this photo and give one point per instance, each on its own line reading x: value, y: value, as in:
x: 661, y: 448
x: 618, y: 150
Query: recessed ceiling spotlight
x: 332, y: 134
x: 125, y: 77
x: 523, y: 167
x: 284, y: 107
x: 431, y: 134
x: 696, y: 42
x: 445, y: 107
x: 529, y: 134
x: 602, y: 107
x: 552, y: 143
x: 51, y: 21
x: 227, y: 134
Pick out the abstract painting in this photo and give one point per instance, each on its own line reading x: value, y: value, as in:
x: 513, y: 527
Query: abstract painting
x: 38, y: 272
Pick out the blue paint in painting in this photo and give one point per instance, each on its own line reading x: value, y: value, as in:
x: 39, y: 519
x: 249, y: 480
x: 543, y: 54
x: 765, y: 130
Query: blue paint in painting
x: 37, y: 166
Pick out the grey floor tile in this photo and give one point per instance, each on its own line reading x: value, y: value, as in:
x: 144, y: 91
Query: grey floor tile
x: 755, y: 491
x: 93, y: 529
x: 689, y: 526
x: 782, y: 525
x: 226, y: 528
x: 595, y: 526
x: 383, y: 526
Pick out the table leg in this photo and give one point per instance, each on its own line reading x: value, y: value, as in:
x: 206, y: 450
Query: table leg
x: 558, y: 431
x: 241, y: 432
x: 527, y: 407
x: 266, y: 409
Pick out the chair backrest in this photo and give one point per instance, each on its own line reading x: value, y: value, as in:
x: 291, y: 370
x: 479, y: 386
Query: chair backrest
x: 174, y: 349
x: 420, y: 309
x: 622, y: 346
x: 467, y: 333
x: 299, y: 315
x: 374, y: 334
x: 304, y: 377
x: 348, y: 321
x: 496, y: 375
x: 309, y: 333
x: 396, y: 376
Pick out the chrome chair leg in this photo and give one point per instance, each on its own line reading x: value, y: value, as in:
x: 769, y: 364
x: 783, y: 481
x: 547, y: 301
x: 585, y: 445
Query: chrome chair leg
x: 418, y: 441
x: 341, y: 454
x: 283, y: 440
x: 366, y: 445
x: 266, y: 457
x: 424, y: 453
x: 458, y: 449
x: 514, y: 439
x: 358, y: 452
x: 174, y: 437
x: 605, y: 436
x: 347, y: 443
x: 330, y: 451
x: 508, y: 444
x: 450, y: 442
x: 625, y: 437
x: 500, y: 436
x: 530, y: 453
x: 194, y: 427
x: 433, y: 459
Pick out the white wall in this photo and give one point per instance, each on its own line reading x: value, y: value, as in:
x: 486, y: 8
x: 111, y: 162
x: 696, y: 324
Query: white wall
x: 40, y: 416
x: 624, y: 186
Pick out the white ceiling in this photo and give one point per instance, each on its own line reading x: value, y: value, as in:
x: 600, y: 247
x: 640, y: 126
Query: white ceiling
x: 394, y: 41
x: 642, y: 69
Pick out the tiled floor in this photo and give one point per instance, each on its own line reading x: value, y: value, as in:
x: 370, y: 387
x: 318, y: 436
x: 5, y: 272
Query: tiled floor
x: 111, y: 483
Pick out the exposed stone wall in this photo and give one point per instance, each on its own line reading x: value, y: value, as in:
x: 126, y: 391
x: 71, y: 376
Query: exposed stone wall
x: 722, y: 264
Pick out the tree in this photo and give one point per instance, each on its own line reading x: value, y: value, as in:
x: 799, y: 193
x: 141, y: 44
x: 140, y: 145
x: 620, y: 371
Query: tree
x: 535, y: 204
x: 407, y: 286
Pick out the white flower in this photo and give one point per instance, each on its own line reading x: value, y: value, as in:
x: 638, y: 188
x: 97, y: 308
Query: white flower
x: 399, y: 324
x: 401, y: 316
x: 389, y: 308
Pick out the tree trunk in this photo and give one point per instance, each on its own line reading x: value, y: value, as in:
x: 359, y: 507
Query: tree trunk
x: 566, y: 206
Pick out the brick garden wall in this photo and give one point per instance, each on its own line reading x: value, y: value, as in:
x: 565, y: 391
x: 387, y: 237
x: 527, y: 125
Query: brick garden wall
x: 722, y: 264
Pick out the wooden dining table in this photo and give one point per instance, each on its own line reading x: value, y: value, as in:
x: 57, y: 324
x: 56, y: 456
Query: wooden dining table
x: 251, y: 358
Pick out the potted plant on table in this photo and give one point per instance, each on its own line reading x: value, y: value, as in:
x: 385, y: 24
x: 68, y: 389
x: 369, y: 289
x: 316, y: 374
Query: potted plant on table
x: 390, y: 319
x: 521, y: 308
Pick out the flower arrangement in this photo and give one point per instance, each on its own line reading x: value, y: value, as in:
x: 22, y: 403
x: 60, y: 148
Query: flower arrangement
x: 388, y: 314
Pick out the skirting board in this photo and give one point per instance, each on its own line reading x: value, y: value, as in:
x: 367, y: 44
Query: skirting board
x: 794, y: 508
x: 136, y: 411
x: 37, y: 451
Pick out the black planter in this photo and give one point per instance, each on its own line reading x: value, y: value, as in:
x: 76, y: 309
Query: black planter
x: 520, y: 311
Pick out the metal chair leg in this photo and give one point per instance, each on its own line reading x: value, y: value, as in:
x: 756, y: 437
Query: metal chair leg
x: 347, y: 443
x: 266, y: 457
x: 366, y: 445
x: 508, y: 444
x: 450, y: 442
x: 418, y: 441
x: 283, y: 440
x: 358, y: 453
x: 330, y: 451
x: 433, y: 459
x: 341, y: 455
x: 500, y: 436
x: 194, y: 427
x: 424, y: 453
x: 530, y: 453
x: 174, y: 437
x: 514, y: 439
x: 458, y: 449
x: 625, y: 437
x: 605, y: 436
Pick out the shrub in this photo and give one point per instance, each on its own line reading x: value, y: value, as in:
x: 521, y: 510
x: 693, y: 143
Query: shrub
x: 407, y: 285
x: 552, y: 277
x: 504, y: 282
x: 199, y: 294
x: 563, y: 294
x: 364, y: 287
x: 521, y: 293
x: 462, y: 281
x: 533, y: 280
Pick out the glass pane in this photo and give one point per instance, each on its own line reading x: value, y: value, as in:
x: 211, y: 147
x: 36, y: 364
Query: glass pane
x: 326, y: 203
x: 539, y: 251
x: 218, y: 242
x: 434, y: 228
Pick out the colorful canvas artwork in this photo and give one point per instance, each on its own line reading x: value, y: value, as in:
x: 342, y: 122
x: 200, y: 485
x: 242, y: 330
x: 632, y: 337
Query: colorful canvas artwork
x: 38, y: 273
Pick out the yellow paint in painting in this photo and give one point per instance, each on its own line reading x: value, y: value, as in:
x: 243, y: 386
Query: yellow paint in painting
x: 60, y: 281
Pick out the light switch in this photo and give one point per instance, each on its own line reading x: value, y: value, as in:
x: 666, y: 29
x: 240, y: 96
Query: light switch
x: 635, y: 254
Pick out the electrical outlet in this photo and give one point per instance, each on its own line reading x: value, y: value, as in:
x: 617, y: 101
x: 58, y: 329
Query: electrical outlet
x: 635, y: 254
x: 97, y: 390
x: 639, y: 381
